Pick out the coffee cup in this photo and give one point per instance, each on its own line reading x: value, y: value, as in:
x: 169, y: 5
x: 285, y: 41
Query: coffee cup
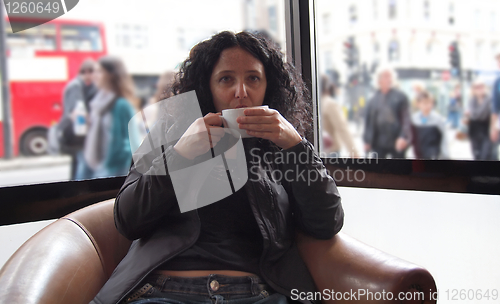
x: 229, y: 117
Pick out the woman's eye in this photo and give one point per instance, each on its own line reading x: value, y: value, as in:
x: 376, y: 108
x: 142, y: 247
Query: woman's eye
x: 254, y: 78
x: 225, y: 79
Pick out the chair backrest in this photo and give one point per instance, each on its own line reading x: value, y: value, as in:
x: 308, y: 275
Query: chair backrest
x: 66, y: 262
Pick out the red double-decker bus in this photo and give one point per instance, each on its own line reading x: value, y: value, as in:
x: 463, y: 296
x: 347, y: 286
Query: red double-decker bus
x: 41, y: 60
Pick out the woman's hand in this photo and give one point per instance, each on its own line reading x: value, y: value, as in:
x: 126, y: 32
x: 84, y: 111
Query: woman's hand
x: 269, y: 124
x: 196, y: 140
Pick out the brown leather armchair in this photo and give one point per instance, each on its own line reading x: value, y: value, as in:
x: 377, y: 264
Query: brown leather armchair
x: 70, y: 260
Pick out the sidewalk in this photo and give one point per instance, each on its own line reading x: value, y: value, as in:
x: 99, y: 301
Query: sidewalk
x: 23, y: 162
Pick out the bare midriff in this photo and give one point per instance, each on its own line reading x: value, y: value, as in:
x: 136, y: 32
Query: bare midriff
x: 203, y: 273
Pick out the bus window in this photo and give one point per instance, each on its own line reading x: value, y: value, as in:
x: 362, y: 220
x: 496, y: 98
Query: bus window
x: 38, y: 38
x: 80, y: 38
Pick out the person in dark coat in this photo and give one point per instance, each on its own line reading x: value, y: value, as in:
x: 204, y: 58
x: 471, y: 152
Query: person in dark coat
x: 429, y: 128
x: 387, y: 121
x: 477, y: 118
x: 81, y: 88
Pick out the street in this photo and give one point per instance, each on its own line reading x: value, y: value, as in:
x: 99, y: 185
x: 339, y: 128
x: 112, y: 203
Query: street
x: 46, y: 169
x: 458, y: 149
x: 34, y: 170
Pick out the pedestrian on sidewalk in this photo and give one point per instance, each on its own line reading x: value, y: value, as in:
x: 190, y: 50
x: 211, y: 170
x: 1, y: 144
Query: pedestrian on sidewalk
x: 429, y: 129
x: 107, y: 150
x: 477, y: 117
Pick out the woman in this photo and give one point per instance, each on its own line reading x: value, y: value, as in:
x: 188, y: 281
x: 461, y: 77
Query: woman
x: 477, y: 118
x: 107, y: 148
x: 334, y: 122
x: 239, y: 249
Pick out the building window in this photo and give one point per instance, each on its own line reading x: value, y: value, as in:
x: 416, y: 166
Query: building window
x: 427, y: 10
x: 273, y: 20
x: 353, y: 14
x: 393, y: 10
x: 326, y: 23
x: 375, y: 9
x: 479, y: 53
x: 394, y: 51
x: 493, y: 21
x: 376, y: 51
x: 477, y: 19
x: 328, y: 60
x: 250, y: 16
x: 494, y: 52
x: 451, y: 13
x: 429, y: 47
x: 133, y: 36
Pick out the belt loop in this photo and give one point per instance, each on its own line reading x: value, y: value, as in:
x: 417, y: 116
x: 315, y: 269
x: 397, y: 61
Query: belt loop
x: 254, y: 286
x: 160, y: 281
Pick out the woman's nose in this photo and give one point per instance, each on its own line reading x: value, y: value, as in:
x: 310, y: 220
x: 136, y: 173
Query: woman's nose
x: 241, y: 91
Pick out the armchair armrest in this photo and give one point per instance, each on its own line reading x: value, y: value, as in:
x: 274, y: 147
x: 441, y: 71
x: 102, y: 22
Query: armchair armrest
x: 345, y: 265
x: 66, y: 262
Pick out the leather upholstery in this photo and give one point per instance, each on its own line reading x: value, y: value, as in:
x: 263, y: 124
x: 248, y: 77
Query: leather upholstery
x: 69, y: 261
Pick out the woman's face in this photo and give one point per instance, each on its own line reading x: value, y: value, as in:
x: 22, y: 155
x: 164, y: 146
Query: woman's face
x: 238, y: 80
x: 100, y: 77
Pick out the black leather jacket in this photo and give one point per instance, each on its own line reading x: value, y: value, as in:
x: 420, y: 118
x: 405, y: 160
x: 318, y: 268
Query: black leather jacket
x: 146, y: 211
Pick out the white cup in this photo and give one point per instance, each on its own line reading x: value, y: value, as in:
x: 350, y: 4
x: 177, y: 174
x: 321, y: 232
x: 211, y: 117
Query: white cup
x: 229, y: 120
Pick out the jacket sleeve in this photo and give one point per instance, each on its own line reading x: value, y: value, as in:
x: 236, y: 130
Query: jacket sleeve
x: 404, y: 114
x: 72, y: 94
x: 148, y: 195
x: 313, y: 194
x: 496, y: 97
x: 369, y: 127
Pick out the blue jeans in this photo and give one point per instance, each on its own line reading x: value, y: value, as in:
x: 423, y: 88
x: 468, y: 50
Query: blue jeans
x: 83, y: 171
x: 454, y: 118
x: 214, y: 289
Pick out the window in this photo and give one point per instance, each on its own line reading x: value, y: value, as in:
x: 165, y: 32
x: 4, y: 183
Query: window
x: 429, y: 47
x: 451, y: 13
x: 477, y: 19
x: 149, y: 41
x: 80, y: 38
x: 132, y: 36
x: 353, y: 14
x: 493, y: 21
x: 427, y: 10
x: 480, y: 56
x: 326, y: 23
x: 39, y: 38
x: 393, y: 9
x: 394, y: 51
x: 375, y: 9
x: 250, y: 15
x: 376, y: 51
x: 273, y: 19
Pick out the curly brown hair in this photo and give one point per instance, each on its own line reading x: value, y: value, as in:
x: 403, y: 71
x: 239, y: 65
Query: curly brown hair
x: 286, y: 91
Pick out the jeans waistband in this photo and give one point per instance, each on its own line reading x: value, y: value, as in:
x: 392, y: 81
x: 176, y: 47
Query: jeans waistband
x: 214, y: 284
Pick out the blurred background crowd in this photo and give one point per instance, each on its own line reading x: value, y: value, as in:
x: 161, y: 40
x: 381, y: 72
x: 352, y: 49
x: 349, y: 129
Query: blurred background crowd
x: 397, y: 78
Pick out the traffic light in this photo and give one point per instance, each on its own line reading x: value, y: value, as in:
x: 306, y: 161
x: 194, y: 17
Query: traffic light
x: 351, y: 52
x: 455, y: 56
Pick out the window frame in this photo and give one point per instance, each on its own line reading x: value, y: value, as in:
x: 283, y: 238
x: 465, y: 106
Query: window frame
x: 27, y: 203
